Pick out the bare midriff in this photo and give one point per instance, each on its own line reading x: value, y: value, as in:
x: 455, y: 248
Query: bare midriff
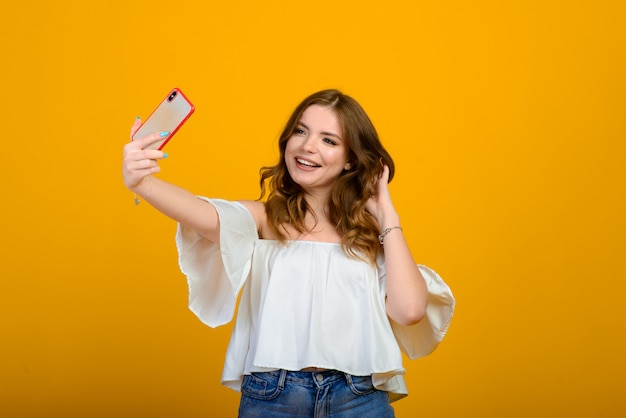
x: 313, y: 369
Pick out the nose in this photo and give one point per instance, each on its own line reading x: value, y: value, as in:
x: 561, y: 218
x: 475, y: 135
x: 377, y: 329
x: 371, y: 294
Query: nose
x: 308, y: 145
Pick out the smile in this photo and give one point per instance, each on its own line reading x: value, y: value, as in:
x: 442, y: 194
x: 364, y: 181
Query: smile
x: 306, y: 163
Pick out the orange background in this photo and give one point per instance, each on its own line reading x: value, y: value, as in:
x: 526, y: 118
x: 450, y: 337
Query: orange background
x: 506, y: 121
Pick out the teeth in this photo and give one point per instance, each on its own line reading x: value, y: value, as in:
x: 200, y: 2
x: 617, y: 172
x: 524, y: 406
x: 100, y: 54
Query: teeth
x: 307, y: 163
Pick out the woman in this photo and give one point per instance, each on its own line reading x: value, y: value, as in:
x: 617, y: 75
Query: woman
x: 330, y: 290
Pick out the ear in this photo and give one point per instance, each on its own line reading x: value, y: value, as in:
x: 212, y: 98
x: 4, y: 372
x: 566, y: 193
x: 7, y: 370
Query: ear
x: 347, y: 167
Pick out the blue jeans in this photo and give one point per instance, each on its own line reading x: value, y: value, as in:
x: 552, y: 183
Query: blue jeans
x: 323, y: 394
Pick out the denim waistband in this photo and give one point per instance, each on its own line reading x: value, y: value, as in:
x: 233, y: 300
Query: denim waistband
x: 308, y: 379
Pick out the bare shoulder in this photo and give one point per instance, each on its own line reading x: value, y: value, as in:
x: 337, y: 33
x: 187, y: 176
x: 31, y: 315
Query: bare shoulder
x: 257, y: 209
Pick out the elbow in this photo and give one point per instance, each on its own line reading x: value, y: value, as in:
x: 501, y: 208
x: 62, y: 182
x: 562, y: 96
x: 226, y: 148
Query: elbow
x: 414, y: 317
x: 411, y: 315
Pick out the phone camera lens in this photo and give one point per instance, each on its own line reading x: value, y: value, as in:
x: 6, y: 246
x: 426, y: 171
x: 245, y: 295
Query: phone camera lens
x: 169, y: 99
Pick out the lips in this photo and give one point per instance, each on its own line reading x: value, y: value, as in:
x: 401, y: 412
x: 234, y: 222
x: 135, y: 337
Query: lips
x: 306, y: 163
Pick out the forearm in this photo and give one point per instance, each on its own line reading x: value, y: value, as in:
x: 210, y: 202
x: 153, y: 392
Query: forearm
x: 138, y: 167
x: 405, y: 287
x: 180, y: 205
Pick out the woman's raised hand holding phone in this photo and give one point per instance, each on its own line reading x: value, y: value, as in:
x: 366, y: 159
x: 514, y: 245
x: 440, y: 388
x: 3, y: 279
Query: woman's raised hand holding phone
x: 139, y: 162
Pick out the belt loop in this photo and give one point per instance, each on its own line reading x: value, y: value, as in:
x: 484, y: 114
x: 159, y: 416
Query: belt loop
x: 348, y: 378
x: 282, y: 378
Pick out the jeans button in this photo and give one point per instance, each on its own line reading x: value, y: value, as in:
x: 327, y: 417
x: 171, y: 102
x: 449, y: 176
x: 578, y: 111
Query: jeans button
x: 319, y: 377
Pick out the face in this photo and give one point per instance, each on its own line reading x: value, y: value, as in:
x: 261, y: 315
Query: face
x: 316, y: 153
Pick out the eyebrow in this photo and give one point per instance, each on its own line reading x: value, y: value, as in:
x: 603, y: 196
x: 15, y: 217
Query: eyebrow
x: 323, y: 133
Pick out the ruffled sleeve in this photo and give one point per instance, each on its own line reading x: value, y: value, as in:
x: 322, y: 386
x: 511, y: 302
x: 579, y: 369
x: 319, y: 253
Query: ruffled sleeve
x: 421, y: 339
x: 216, y: 272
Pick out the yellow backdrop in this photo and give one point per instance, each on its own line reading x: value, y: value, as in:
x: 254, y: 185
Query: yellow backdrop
x: 506, y: 121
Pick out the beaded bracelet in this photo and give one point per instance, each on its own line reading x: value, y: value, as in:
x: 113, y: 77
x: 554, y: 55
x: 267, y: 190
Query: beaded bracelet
x: 381, y: 237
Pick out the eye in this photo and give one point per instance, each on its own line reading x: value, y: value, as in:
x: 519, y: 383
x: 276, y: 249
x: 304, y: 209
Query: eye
x: 298, y: 131
x: 330, y: 141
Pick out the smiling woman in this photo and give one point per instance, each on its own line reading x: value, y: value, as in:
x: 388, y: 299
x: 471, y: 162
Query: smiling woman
x: 341, y: 118
x: 330, y: 293
x: 315, y: 155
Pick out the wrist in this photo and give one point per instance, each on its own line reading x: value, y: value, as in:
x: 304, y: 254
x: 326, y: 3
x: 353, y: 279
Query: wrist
x: 388, y: 220
x: 383, y: 234
x: 143, y: 189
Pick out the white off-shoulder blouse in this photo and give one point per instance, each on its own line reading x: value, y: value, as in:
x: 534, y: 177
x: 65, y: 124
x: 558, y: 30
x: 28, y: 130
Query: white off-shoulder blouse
x: 303, y: 304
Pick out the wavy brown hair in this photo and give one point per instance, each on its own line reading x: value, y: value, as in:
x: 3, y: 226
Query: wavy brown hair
x: 285, y: 202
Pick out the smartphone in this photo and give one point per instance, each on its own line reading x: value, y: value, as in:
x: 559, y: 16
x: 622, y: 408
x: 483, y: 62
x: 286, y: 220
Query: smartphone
x: 168, y: 116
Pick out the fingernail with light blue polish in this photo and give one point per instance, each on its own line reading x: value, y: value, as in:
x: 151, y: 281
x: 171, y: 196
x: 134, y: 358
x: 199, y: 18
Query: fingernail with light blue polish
x: 164, y: 134
x: 138, y: 117
x: 165, y: 155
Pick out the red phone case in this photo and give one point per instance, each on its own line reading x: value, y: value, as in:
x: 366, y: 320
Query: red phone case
x: 168, y: 116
